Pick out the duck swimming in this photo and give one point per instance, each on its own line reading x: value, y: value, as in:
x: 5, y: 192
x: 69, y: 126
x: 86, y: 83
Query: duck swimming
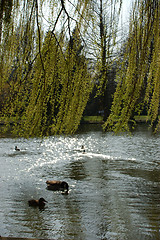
x: 17, y: 149
x: 37, y: 203
x: 83, y: 149
x: 57, y: 185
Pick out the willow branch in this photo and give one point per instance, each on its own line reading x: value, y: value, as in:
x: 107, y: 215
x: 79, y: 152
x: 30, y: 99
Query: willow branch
x: 39, y: 36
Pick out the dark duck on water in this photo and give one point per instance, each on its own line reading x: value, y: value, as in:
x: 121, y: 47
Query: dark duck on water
x: 57, y: 185
x: 17, y: 149
x: 37, y: 203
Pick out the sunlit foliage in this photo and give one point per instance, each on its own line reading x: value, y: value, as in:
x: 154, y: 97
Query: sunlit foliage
x: 138, y: 78
x: 45, y: 81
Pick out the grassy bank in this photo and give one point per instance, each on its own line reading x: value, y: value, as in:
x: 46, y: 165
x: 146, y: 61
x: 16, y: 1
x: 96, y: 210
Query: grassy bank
x: 92, y: 119
x: 99, y: 119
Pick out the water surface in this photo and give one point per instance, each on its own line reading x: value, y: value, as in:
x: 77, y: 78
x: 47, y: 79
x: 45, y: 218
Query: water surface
x: 114, y: 186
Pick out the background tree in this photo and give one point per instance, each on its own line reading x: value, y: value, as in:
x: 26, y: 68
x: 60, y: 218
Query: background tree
x: 102, y: 44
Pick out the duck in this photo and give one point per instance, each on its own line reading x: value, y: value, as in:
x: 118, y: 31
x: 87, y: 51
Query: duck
x: 57, y: 185
x: 17, y: 149
x: 37, y: 203
x: 83, y: 149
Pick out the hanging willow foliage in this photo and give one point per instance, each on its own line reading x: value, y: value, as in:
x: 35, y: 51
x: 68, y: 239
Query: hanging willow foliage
x: 45, y: 81
x: 50, y: 100
x: 138, y: 78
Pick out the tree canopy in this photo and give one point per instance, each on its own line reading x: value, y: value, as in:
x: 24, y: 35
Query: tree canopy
x: 46, y: 74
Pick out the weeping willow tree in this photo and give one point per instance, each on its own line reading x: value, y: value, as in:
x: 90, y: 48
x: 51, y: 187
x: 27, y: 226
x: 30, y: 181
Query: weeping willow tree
x: 138, y: 78
x: 45, y: 81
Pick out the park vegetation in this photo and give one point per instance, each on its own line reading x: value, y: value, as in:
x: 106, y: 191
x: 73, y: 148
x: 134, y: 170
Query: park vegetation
x: 56, y: 57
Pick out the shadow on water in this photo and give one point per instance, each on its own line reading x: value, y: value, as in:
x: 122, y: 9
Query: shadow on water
x: 76, y: 170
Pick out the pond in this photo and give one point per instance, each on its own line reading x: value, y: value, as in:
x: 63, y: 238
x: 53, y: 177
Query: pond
x: 114, y: 187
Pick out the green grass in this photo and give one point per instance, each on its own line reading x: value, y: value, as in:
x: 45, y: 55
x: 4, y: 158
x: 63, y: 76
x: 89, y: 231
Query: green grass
x: 142, y: 118
x: 93, y: 119
x: 99, y: 119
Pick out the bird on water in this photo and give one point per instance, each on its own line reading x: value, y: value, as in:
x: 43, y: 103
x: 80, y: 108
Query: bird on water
x: 37, y: 203
x: 17, y: 149
x: 55, y: 185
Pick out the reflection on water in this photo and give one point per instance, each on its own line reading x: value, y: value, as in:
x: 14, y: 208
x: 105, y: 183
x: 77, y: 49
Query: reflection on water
x: 114, y: 186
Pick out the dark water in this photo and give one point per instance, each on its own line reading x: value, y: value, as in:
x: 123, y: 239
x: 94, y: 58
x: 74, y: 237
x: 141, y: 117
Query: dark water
x: 114, y: 187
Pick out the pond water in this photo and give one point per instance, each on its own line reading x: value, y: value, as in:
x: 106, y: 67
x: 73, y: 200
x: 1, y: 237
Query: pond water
x: 114, y: 186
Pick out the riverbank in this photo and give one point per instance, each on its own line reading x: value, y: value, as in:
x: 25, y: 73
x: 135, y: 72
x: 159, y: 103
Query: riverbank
x: 86, y: 120
x: 99, y: 119
x: 92, y: 120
